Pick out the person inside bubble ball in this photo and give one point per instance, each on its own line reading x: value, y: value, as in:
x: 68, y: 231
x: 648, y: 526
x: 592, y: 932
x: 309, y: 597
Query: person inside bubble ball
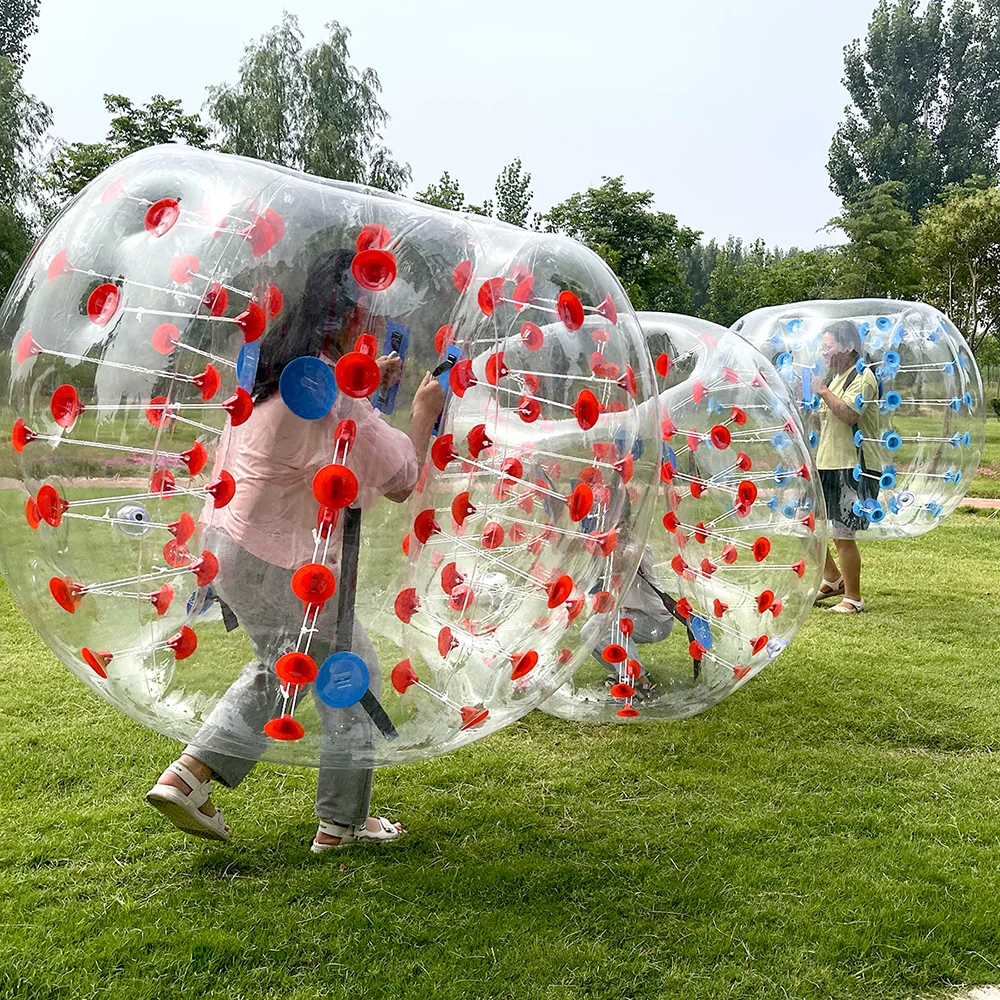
x: 846, y: 405
x: 267, y: 532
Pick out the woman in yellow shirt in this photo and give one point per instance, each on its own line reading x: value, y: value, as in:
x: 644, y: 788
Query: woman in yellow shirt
x: 847, y: 404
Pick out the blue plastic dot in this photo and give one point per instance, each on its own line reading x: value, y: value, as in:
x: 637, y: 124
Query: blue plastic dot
x: 789, y: 510
x: 813, y: 439
x: 856, y: 473
x: 893, y: 400
x: 884, y: 323
x: 308, y: 387
x: 859, y: 366
x: 858, y: 439
x: 892, y: 441
x: 863, y: 330
x: 794, y: 325
x: 888, y: 478
x: 342, y: 680
x: 701, y: 630
x: 779, y: 440
x: 246, y: 365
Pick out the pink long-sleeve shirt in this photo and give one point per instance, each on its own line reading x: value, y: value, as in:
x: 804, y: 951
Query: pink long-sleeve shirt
x: 274, y: 456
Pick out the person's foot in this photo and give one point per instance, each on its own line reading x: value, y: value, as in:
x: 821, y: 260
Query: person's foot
x: 371, y: 825
x: 201, y: 771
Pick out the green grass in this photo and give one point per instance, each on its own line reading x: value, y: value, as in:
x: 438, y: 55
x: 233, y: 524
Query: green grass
x: 833, y: 830
x: 987, y: 481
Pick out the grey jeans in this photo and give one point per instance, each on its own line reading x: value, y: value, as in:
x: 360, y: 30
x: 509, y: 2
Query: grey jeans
x: 232, y: 738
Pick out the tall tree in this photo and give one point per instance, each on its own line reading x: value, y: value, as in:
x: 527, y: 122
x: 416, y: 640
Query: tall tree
x: 879, y: 260
x: 925, y: 100
x: 958, y: 247
x: 446, y: 193
x: 307, y: 108
x: 643, y: 246
x: 514, y: 194
x: 132, y: 128
x: 18, y: 22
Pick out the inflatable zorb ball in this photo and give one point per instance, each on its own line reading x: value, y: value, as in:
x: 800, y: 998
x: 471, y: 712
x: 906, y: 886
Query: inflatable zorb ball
x: 193, y: 315
x: 736, y: 553
x: 921, y: 434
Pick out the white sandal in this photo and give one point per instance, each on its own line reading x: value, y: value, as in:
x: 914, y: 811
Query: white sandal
x: 184, y: 811
x: 853, y: 607
x: 354, y: 835
x: 835, y: 588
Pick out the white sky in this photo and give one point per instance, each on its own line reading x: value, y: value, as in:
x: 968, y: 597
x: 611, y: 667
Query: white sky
x: 723, y: 108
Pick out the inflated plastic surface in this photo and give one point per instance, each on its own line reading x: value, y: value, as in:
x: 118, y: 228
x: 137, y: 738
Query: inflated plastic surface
x: 737, y: 548
x: 192, y: 410
x: 920, y: 432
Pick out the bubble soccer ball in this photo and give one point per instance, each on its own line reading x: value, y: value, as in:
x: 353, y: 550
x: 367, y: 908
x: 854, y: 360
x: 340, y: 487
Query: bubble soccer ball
x: 735, y: 563
x: 198, y: 434
x: 921, y: 425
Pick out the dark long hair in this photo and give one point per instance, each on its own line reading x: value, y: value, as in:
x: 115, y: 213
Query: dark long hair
x: 314, y: 324
x: 845, y: 332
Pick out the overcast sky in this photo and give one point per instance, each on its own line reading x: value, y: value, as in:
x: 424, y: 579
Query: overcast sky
x: 723, y: 108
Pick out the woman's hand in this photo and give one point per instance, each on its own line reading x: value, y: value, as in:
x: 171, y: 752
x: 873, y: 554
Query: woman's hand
x: 428, y: 401
x: 390, y: 369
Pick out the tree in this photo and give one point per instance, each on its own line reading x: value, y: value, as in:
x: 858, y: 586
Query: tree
x: 925, y: 100
x: 879, y: 260
x: 958, y: 247
x: 444, y: 194
x: 309, y: 109
x: 514, y: 194
x: 644, y: 247
x: 132, y: 128
x: 18, y: 22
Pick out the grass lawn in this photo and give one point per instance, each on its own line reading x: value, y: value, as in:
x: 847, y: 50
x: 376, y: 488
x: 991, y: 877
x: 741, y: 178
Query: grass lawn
x: 833, y: 830
x: 987, y: 481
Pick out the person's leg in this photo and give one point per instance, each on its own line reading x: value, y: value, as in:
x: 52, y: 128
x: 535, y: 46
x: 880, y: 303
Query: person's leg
x: 343, y: 794
x: 850, y: 563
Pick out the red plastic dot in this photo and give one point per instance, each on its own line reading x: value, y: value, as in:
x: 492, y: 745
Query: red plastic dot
x: 451, y: 577
x: 51, y: 506
x: 205, y: 568
x: 103, y: 303
x: 406, y: 605
x: 194, y: 458
x: 66, y: 593
x: 461, y: 597
x: 239, y: 406
x: 175, y: 554
x: 663, y: 365
x: 495, y: 368
x: 296, y: 669
x: 799, y: 568
x: 31, y: 513
x: 424, y: 526
x: 252, y: 322
x: 559, y: 590
x: 627, y: 381
x: 162, y: 599
x: 161, y: 216
x: 216, y: 299
x: 165, y: 338
x: 478, y: 441
x: 581, y: 502
x: 222, y: 489
x: 461, y: 377
x: 524, y: 292
x: 764, y: 600
x: 444, y: 338
x: 493, y: 536
x: 314, y: 583
x: 446, y: 641
x: 622, y: 690
x: 184, y: 268
x: 522, y: 664
x: 274, y: 301
x: 402, y: 676
x: 373, y: 237
x: 97, y: 661
x: 357, y: 375
x: 183, y: 528
x: 461, y: 508
x: 720, y: 437
x: 615, y: 653
x: 284, y: 728
x: 529, y: 409
x: 26, y: 348
x: 443, y: 451
x: 65, y: 406
x: 759, y: 643
x: 532, y: 336
x: 570, y: 311
x: 260, y: 235
x: 374, y: 270
x: 628, y: 712
x: 163, y: 482
x: 344, y: 435
x: 276, y: 222
x: 335, y: 486
x: 586, y: 409
x: 473, y: 716
x: 490, y: 292
x: 59, y: 265
x: 626, y: 625
x: 607, y: 310
x: 761, y: 547
x: 747, y: 492
x: 20, y: 435
x: 462, y: 276
x: 209, y: 382
x: 602, y: 601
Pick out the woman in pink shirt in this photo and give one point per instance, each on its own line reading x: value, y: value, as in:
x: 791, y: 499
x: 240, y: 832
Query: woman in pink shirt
x: 267, y: 532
